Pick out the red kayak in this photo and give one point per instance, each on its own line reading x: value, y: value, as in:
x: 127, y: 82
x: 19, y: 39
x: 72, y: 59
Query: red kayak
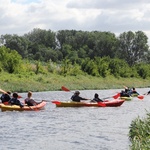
x: 108, y: 103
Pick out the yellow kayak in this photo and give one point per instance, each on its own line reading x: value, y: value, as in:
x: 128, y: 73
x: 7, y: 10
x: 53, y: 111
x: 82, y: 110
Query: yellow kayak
x: 40, y: 106
x: 126, y: 98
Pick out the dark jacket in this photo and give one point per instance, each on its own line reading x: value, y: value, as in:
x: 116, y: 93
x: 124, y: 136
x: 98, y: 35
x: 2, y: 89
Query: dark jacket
x: 30, y: 102
x: 77, y: 98
x: 124, y: 94
x: 15, y: 101
x: 97, y: 100
x: 5, y: 98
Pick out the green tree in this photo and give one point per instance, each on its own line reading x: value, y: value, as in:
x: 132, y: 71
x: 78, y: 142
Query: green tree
x: 105, y: 44
x: 133, y: 47
x: 103, y: 66
x: 66, y: 50
x: 11, y: 61
x: 89, y: 66
x: 119, y: 68
x: 143, y: 70
x: 41, y: 37
x: 18, y: 43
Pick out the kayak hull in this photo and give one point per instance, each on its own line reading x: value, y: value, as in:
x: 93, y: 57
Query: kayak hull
x: 5, y: 103
x: 134, y: 95
x: 126, y: 98
x: 40, y: 106
x: 113, y: 103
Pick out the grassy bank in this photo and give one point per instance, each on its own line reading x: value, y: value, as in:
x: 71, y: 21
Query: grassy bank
x: 53, y: 82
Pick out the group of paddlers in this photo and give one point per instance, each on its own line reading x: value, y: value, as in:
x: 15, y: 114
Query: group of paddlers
x: 124, y: 93
x: 7, y: 98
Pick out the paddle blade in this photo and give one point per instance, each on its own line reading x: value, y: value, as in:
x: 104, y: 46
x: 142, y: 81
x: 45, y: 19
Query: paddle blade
x: 19, y: 96
x: 140, y: 97
x: 116, y: 96
x: 101, y: 104
x: 56, y: 102
x: 65, y: 89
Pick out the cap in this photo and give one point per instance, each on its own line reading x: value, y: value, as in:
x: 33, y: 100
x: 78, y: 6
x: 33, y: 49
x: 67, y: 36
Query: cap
x: 77, y: 92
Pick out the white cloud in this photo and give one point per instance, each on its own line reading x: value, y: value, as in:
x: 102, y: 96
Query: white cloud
x: 22, y: 16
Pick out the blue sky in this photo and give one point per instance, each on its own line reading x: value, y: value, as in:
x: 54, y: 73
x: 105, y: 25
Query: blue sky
x: 22, y: 16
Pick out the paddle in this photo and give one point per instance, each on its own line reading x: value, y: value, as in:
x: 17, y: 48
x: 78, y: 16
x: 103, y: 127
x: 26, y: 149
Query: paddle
x: 56, y: 102
x: 116, y: 96
x: 6, y: 93
x: 3, y: 91
x: 65, y: 89
x: 140, y: 97
x: 147, y: 93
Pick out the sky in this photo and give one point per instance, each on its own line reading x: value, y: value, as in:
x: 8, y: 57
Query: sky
x: 116, y: 16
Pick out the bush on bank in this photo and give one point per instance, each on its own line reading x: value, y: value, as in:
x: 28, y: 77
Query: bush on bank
x: 139, y: 133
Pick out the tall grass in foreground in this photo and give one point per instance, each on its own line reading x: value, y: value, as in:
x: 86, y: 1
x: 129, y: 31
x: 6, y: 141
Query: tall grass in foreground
x: 139, y: 133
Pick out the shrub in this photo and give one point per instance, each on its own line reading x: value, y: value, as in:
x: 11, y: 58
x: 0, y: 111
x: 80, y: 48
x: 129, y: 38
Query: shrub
x: 139, y: 133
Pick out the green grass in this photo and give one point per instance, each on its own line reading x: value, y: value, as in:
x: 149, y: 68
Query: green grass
x: 53, y: 82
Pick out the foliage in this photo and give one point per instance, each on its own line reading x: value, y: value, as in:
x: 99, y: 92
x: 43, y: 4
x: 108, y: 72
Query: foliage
x: 41, y: 37
x: 89, y: 67
x: 18, y: 43
x: 139, y: 133
x: 68, y: 69
x: 143, y: 70
x: 101, y: 66
x: 72, y: 52
x: 10, y: 60
x: 119, y: 68
x: 45, y: 45
x: 133, y: 46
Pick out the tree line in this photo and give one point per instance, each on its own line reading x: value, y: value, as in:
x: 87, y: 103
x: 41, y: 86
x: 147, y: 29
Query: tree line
x: 96, y: 53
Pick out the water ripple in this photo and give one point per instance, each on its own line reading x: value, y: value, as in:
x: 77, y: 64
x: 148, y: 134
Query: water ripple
x: 71, y: 128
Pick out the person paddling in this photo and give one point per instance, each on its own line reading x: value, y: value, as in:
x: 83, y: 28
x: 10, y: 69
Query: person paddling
x: 77, y: 98
x: 96, y: 98
x: 29, y: 101
x: 6, y: 97
x: 14, y: 100
x: 133, y: 91
x: 124, y: 93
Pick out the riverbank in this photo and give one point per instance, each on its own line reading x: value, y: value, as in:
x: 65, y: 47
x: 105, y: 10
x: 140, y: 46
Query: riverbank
x: 53, y: 82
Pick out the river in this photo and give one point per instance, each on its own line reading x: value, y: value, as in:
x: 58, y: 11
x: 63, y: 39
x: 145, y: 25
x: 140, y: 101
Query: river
x: 85, y: 128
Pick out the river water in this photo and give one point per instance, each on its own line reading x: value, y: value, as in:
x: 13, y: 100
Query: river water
x: 85, y: 128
